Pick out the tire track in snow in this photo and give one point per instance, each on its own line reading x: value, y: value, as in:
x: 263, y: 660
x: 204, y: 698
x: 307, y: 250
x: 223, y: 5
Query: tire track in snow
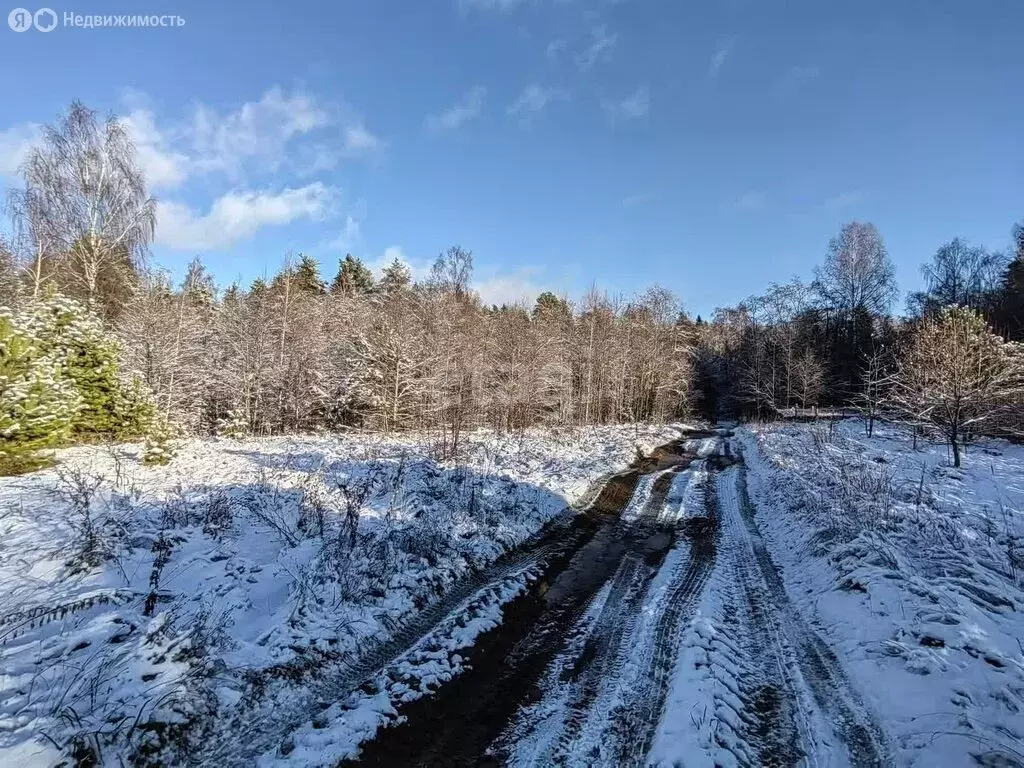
x: 599, y: 659
x: 634, y: 720
x: 456, y: 725
x: 257, y: 730
x: 539, y: 723
x: 576, y: 682
x: 800, y: 648
x: 777, y: 712
x: 578, y: 710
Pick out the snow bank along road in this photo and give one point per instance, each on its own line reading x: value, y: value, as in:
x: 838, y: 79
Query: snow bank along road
x: 601, y: 656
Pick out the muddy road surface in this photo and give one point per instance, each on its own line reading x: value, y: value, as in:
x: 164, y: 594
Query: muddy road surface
x: 579, y: 670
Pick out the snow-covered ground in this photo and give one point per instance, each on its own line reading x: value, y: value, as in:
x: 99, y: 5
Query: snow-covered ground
x: 912, y: 571
x: 830, y: 597
x: 149, y: 609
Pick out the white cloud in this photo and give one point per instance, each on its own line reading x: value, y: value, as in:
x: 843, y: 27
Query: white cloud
x: 719, y: 56
x: 162, y: 166
x: 347, y: 237
x: 238, y: 215
x: 634, y: 106
x: 534, y: 99
x: 514, y: 288
x: 600, y: 47
x: 15, y: 144
x: 358, y: 140
x: 418, y: 268
x: 750, y: 201
x: 497, y: 289
x: 391, y: 253
x: 257, y: 137
x: 258, y: 130
x: 468, y: 108
x: 289, y: 134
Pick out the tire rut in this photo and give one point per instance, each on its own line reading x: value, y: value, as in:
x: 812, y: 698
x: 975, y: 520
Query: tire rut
x: 456, y: 725
x: 604, y: 653
x: 634, y: 721
x: 796, y: 656
x: 774, y: 728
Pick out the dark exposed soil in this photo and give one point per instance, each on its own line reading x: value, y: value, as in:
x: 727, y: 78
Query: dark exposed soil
x: 456, y: 725
x: 471, y: 720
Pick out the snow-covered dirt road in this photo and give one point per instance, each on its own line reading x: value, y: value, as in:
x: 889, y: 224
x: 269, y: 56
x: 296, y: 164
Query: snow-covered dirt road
x: 603, y: 654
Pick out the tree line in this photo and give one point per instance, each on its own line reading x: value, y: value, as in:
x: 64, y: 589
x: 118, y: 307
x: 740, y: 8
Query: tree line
x: 953, y: 365
x: 297, y: 352
x: 294, y: 354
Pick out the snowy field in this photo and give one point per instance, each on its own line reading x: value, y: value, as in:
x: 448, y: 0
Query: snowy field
x: 912, y: 570
x: 826, y: 597
x: 145, y: 609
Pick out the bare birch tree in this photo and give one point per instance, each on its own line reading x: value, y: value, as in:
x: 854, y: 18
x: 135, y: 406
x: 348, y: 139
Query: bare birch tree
x: 87, y: 207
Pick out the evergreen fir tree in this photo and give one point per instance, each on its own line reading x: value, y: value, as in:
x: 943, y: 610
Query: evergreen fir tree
x: 1010, y: 306
x: 232, y: 294
x: 548, y: 304
x: 232, y: 425
x: 159, y: 447
x: 396, y: 278
x: 88, y: 359
x: 258, y: 289
x: 307, y: 276
x: 353, y: 277
x: 10, y: 284
x: 37, y: 404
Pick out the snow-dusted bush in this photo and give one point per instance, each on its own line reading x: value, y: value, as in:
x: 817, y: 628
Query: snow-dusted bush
x: 957, y: 377
x: 96, y: 514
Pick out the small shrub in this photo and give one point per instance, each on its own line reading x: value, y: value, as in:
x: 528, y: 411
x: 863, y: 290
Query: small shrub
x: 314, y: 505
x: 159, y: 447
x: 98, y: 534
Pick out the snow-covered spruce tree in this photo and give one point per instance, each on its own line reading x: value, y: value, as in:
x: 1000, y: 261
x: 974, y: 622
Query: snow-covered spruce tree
x: 88, y: 359
x: 159, y: 447
x: 37, y: 404
x: 956, y: 376
x: 353, y: 278
x: 10, y: 280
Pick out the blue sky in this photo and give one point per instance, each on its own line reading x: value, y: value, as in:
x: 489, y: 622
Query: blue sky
x: 709, y: 147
